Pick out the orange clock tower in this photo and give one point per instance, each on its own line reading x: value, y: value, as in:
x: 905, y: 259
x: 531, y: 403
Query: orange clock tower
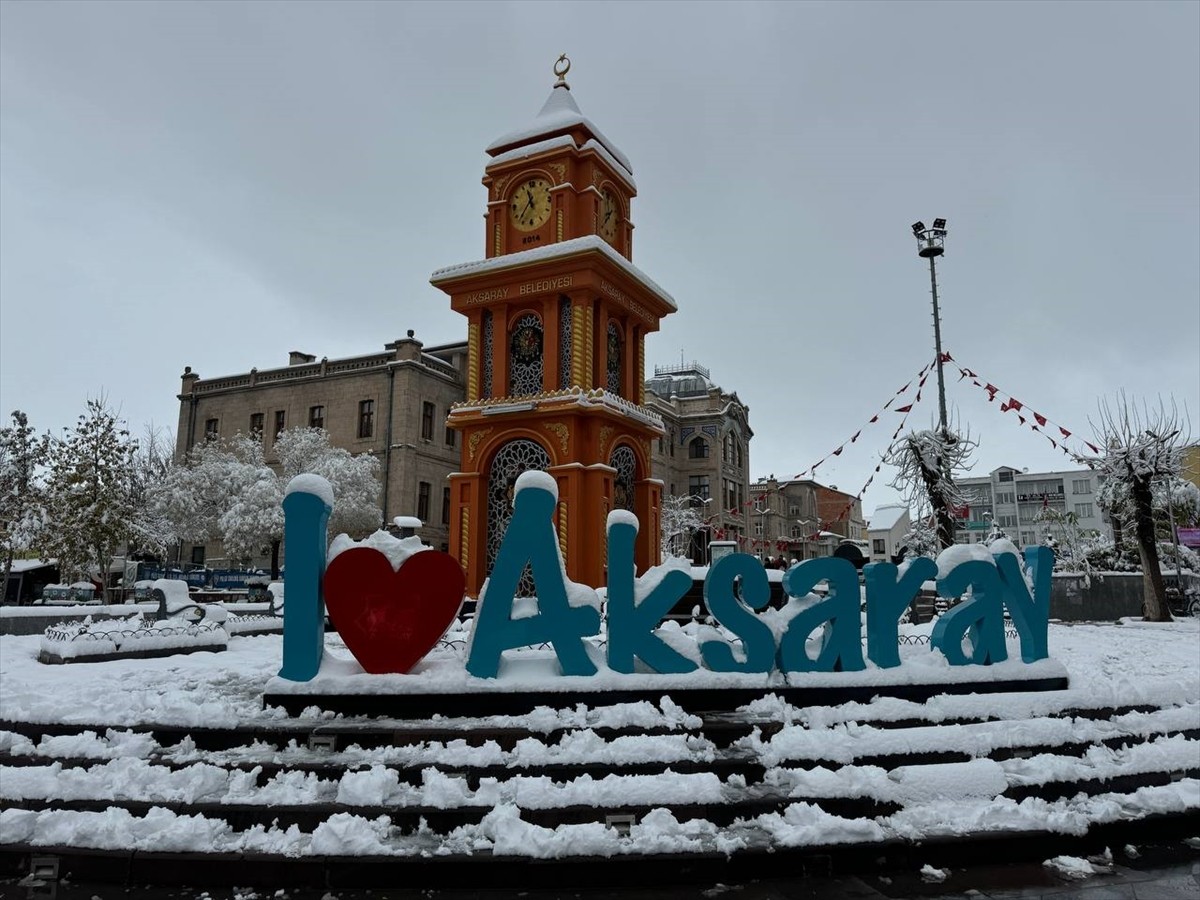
x: 557, y: 318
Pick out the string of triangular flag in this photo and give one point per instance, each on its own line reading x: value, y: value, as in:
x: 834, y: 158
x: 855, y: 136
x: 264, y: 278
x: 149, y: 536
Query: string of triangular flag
x: 1036, y: 421
x: 905, y: 410
x: 895, y: 434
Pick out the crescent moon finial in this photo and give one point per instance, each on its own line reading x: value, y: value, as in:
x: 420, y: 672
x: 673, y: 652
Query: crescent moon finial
x: 561, y: 67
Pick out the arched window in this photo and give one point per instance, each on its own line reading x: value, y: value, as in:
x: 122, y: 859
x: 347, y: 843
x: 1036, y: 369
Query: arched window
x: 625, y: 463
x: 564, y: 342
x: 485, y: 375
x: 698, y: 448
x: 525, y: 357
x: 511, y: 460
x: 615, y: 347
x: 737, y: 448
x: 727, y: 448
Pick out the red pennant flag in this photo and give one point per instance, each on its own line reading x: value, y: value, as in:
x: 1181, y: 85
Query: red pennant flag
x: 1052, y: 441
x: 878, y: 467
x: 1003, y: 407
x: 889, y: 403
x: 918, y: 398
x: 904, y: 409
x: 1041, y: 420
x: 903, y: 389
x: 1022, y: 418
x: 1092, y: 447
x: 1064, y: 431
x: 976, y: 383
x: 838, y: 451
x: 992, y: 390
x: 874, y: 419
x: 946, y: 357
x: 856, y: 434
x: 1014, y: 404
x: 1035, y: 428
x: 923, y: 380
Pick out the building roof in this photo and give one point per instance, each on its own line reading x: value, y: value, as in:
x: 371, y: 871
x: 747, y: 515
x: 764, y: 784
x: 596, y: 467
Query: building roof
x: 560, y: 114
x: 885, y: 517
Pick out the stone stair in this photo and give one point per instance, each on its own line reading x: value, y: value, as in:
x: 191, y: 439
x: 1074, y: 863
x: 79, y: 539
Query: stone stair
x: 470, y: 802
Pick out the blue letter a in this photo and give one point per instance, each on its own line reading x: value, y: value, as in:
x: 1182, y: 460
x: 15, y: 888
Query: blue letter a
x: 530, y: 539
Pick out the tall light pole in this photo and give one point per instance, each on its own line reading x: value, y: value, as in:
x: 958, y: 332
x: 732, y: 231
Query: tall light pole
x: 930, y: 245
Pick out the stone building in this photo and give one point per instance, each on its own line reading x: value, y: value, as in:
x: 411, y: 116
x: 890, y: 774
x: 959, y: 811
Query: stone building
x: 1017, y: 502
x: 704, y: 452
x: 391, y: 404
x: 802, y: 519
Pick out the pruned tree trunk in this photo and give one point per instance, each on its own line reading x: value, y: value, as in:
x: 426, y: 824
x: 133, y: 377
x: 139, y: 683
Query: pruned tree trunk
x: 1154, y: 596
x: 941, y: 509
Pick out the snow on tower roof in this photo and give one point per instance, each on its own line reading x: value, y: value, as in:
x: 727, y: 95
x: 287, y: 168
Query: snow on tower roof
x: 559, y: 115
x: 552, y: 251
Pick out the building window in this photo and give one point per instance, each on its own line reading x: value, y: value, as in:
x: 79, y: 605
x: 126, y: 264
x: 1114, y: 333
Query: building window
x: 698, y: 486
x: 1082, y: 486
x: 449, y: 436
x: 427, y: 421
x: 672, y: 440
x: 795, y: 531
x: 280, y: 422
x: 1006, y: 521
x: 879, y: 546
x: 366, y: 418
x: 1028, y: 537
x: 446, y: 505
x: 758, y: 529
x: 198, y: 554
x: 256, y: 425
x: 1005, y: 476
x: 211, y: 429
x: 698, y: 448
x: 727, y: 449
x: 1084, y: 510
x: 793, y: 510
x: 316, y: 417
x: 613, y: 360
x: 1005, y: 496
x: 423, y: 501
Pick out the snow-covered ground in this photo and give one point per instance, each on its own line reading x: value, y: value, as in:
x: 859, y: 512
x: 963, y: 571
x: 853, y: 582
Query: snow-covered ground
x: 814, y: 753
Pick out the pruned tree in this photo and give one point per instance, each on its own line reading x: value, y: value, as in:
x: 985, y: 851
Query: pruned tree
x: 1141, y: 446
x: 89, y: 493
x: 679, y: 519
x: 927, y: 463
x: 23, y: 457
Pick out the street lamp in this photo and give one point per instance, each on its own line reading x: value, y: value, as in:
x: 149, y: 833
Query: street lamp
x: 931, y: 243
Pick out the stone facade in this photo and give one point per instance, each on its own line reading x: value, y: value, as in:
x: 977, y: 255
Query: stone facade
x: 705, y: 451
x: 391, y: 404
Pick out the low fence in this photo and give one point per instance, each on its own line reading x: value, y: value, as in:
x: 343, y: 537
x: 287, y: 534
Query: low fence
x: 1109, y: 596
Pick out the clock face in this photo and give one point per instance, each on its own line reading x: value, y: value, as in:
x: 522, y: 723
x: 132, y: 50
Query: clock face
x: 526, y: 344
x: 610, y: 215
x: 529, y: 205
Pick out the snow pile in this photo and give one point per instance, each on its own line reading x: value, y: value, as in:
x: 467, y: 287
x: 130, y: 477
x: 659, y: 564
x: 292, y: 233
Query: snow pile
x: 397, y: 550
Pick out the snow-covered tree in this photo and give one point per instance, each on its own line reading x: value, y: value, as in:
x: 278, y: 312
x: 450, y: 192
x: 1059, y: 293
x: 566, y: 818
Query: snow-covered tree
x: 920, y: 540
x: 1141, y: 447
x: 354, y: 479
x: 927, y: 463
x: 23, y: 456
x: 680, y: 519
x: 151, y: 530
x: 89, y: 493
x: 225, y: 490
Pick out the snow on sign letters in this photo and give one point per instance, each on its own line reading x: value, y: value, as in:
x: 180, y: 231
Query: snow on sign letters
x: 391, y: 617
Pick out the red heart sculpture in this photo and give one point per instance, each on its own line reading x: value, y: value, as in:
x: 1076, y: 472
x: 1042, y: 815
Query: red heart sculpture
x: 389, y: 619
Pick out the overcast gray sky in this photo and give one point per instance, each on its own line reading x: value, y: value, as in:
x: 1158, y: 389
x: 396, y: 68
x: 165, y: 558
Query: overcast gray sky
x: 215, y: 184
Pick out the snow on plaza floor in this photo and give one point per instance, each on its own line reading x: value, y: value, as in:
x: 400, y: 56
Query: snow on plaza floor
x: 1110, y: 665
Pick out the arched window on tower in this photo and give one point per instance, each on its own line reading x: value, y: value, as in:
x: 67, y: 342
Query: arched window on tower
x: 698, y: 448
x: 525, y: 357
x: 564, y: 342
x: 485, y: 375
x: 615, y: 348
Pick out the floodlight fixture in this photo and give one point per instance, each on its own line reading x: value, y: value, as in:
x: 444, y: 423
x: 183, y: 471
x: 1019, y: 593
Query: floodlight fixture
x: 918, y: 227
x: 931, y: 243
x: 939, y: 224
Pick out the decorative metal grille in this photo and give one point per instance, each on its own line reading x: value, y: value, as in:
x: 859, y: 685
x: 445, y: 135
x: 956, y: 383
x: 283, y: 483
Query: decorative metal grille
x: 626, y: 465
x: 511, y: 460
x: 564, y: 342
x: 525, y: 357
x: 485, y: 380
x: 614, y: 359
